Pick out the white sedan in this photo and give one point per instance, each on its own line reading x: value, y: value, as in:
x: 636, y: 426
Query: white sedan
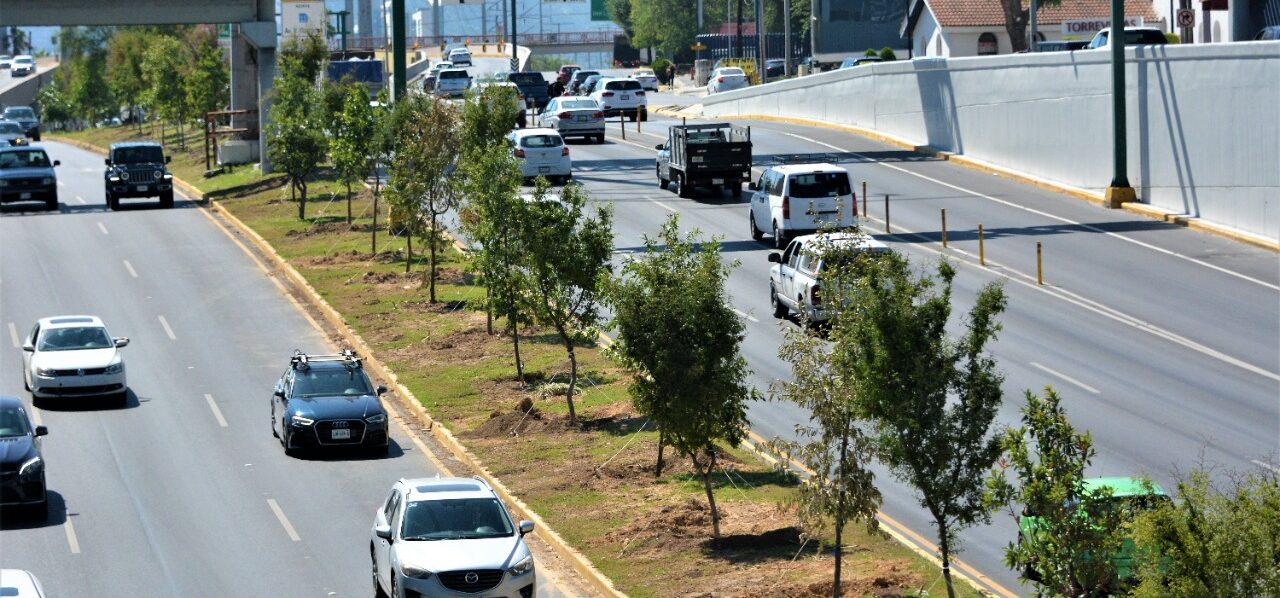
x: 73, y: 356
x: 647, y: 79
x: 542, y: 152
x: 727, y: 79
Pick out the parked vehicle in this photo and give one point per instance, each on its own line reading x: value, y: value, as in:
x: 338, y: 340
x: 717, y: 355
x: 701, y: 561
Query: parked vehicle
x: 715, y: 156
x: 794, y: 199
x: 648, y: 80
x: 23, y: 65
x: 449, y: 537
x: 327, y: 401
x: 542, y: 152
x: 370, y: 73
x: 137, y: 169
x: 460, y: 56
x: 6, y: 61
x: 452, y: 82
x: 433, y: 75
x: 795, y: 278
x: 22, y: 482
x: 588, y: 87
x: 26, y: 117
x: 1133, y: 36
x: 26, y: 174
x: 853, y: 61
x: 1266, y: 33
x: 622, y: 96
x: 74, y: 356
x: 574, y: 117
x: 727, y: 79
x: 12, y: 134
x: 578, y: 77
x: 775, y: 67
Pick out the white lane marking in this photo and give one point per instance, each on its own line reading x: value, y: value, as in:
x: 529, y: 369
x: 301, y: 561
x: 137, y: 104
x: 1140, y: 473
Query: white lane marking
x: 13, y: 335
x: 35, y: 416
x: 666, y: 207
x: 72, y: 541
x: 284, y: 521
x: 217, y: 413
x: 102, y: 227
x: 61, y: 184
x: 167, y: 329
x: 745, y: 315
x: 1087, y: 227
x: 1266, y: 465
x: 129, y: 267
x: 1065, y: 377
x: 81, y: 200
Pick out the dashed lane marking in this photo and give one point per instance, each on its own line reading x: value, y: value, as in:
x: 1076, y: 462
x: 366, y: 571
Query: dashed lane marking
x: 13, y: 336
x: 1265, y: 465
x: 167, y: 329
x: 102, y: 227
x: 81, y: 200
x: 665, y: 207
x: 746, y: 315
x: 129, y: 267
x: 284, y: 521
x: 1063, y: 376
x: 72, y: 541
x: 217, y: 413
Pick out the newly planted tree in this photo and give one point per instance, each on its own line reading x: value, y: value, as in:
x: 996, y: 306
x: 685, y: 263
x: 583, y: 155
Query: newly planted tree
x: 679, y: 335
x: 207, y: 85
x: 296, y: 140
x: 124, y: 68
x: 567, y: 253
x: 352, y: 145
x: 163, y: 67
x: 930, y: 399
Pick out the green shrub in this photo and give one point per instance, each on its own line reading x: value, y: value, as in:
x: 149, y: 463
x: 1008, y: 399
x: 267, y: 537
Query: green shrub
x: 1172, y: 37
x: 870, y: 52
x: 660, y: 69
x: 886, y: 54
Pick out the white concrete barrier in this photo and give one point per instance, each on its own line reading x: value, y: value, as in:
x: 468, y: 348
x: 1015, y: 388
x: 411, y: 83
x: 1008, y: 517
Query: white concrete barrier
x: 1203, y: 120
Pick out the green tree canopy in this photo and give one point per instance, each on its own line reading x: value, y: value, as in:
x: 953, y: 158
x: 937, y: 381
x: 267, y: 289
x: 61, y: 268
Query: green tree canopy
x: 207, y: 85
x: 351, y: 146
x: 295, y: 134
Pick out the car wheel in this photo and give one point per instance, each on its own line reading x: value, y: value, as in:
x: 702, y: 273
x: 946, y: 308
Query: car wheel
x: 273, y: 422
x: 51, y: 204
x: 378, y: 592
x: 600, y: 138
x: 779, y: 240
x: 644, y: 115
x: 682, y: 189
x: 779, y: 309
x: 166, y: 200
x: 756, y: 233
x: 662, y: 183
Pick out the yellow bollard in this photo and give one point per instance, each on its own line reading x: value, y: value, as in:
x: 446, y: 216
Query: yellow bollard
x: 944, y: 227
x: 886, y: 213
x: 1039, y: 265
x: 982, y: 249
x: 622, y: 124
x: 637, y: 120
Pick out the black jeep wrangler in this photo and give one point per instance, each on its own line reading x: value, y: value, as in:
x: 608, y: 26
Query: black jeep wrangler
x: 137, y: 169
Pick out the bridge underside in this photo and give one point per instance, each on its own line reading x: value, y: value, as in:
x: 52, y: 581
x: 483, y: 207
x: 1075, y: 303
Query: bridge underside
x: 128, y: 12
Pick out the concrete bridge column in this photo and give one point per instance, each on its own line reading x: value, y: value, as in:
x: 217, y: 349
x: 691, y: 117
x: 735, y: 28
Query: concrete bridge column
x: 262, y: 36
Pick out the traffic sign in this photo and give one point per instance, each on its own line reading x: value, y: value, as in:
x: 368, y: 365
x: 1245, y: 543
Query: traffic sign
x: 515, y: 64
x: 1186, y: 17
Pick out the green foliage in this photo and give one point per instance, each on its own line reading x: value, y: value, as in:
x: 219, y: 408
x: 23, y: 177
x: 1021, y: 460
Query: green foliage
x: 310, y: 54
x: 352, y: 142
x: 620, y: 13
x: 542, y: 63
x: 567, y: 253
x: 886, y: 54
x: 125, y: 53
x: 1212, y: 542
x: 660, y: 69
x: 1172, y: 37
x: 54, y: 105
x: 668, y: 25
x: 679, y: 335
x: 163, y: 67
x: 487, y: 117
x: 931, y: 400
x: 207, y: 85
x: 871, y: 52
x: 296, y: 142
x: 1048, y: 460
x: 89, y: 94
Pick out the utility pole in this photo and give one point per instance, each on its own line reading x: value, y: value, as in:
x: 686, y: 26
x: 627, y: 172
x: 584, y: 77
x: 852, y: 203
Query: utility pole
x: 1031, y: 39
x: 761, y: 54
x: 515, y: 60
x: 1119, y: 191
x: 697, y: 55
x: 738, y: 36
x: 398, y: 63
x: 786, y: 38
x: 815, y: 20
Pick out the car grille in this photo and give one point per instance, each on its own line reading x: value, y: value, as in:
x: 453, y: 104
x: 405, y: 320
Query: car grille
x: 24, y: 183
x: 77, y: 390
x: 83, y: 372
x: 324, y: 431
x: 142, y: 175
x: 477, y: 580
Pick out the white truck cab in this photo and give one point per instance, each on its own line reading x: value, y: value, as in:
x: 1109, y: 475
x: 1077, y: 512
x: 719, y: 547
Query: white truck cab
x: 795, y: 278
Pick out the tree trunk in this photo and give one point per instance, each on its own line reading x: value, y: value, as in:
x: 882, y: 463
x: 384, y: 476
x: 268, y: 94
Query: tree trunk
x: 302, y: 198
x: 408, y: 252
x: 944, y: 546
x: 348, y: 203
x: 662, y: 442
x: 515, y: 338
x: 573, y: 377
x: 840, y: 473
x: 431, y: 247
x: 706, y: 484
x: 377, y: 191
x: 488, y: 310
x: 1015, y: 23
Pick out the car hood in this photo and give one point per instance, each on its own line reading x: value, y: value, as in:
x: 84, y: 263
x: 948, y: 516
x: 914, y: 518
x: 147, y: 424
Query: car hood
x: 26, y: 122
x: 15, y: 173
x: 454, y: 555
x: 141, y: 165
x: 337, y: 407
x: 17, y: 450
x: 82, y: 358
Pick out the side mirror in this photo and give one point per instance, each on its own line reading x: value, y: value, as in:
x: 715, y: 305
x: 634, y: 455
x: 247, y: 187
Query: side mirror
x: 168, y: 159
x: 42, y: 431
x: 383, y: 531
x: 28, y: 347
x: 279, y: 392
x: 106, y: 161
x: 658, y: 147
x: 775, y: 258
x: 122, y: 341
x: 752, y: 187
x: 526, y: 526
x: 382, y: 389
x: 57, y: 162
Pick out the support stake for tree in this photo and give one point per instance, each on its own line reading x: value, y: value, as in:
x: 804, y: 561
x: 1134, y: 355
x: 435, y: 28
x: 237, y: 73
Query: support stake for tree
x: 622, y: 124
x: 864, y: 198
x: 982, y: 248
x: 886, y: 213
x: 1039, y: 265
x: 944, y: 228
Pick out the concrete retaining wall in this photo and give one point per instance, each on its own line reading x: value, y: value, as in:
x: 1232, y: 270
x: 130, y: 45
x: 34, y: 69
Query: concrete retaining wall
x: 1203, y: 120
x: 23, y: 91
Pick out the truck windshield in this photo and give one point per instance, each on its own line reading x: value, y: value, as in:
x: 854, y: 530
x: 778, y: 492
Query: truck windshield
x: 453, y: 75
x: 141, y: 154
x: 524, y: 79
x: 19, y: 113
x: 35, y: 158
x: 819, y: 184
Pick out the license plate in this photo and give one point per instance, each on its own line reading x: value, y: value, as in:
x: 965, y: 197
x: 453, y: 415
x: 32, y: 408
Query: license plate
x: 583, y: 118
x: 340, y: 434
x: 142, y: 188
x: 25, y: 196
x: 626, y: 96
x: 717, y: 181
x: 544, y: 169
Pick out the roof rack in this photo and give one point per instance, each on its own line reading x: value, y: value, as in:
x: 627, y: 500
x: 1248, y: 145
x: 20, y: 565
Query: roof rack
x: 302, y: 360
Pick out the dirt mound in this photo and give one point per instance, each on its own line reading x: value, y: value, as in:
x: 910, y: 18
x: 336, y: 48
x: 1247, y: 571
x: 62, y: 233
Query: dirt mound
x: 332, y: 259
x: 521, y: 419
x: 885, y: 579
x: 322, y: 228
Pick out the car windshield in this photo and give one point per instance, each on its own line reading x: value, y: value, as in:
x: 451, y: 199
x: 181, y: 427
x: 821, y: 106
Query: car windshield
x: 142, y: 153
x: 527, y: 79
x: 731, y: 72
x: 819, y: 184
x: 20, y: 113
x: 13, y: 422
x: 541, y: 141
x: 35, y: 158
x: 624, y: 85
x: 579, y: 104
x: 316, y: 382
x: 74, y: 339
x: 10, y: 128
x: 453, y: 75
x: 455, y: 519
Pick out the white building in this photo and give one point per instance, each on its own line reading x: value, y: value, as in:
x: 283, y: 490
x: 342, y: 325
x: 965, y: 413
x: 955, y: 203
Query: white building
x: 484, y: 19
x: 976, y: 27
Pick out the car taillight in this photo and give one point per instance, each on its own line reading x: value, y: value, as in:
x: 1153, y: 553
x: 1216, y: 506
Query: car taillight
x: 854, y: 195
x: 564, y: 151
x: 598, y: 115
x: 719, y: 79
x: 519, y: 153
x: 639, y: 93
x: 815, y: 297
x: 786, y: 207
x: 607, y: 94
x: 564, y: 115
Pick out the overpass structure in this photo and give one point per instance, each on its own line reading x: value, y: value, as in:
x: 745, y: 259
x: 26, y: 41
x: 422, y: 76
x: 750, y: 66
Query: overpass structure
x: 21, y: 91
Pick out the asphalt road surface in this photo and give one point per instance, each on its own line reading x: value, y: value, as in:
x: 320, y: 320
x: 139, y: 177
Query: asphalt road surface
x: 184, y: 492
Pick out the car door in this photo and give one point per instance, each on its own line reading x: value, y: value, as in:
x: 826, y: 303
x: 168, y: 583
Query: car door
x: 27, y: 355
x: 547, y: 117
x: 760, y: 202
x: 280, y: 404
x: 787, y: 273
x: 382, y: 546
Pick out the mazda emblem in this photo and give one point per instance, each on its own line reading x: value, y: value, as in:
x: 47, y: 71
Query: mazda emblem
x: 472, y: 577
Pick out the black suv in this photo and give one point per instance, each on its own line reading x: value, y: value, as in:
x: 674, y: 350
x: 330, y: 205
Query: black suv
x: 21, y: 465
x: 327, y: 401
x: 25, y: 116
x: 137, y: 169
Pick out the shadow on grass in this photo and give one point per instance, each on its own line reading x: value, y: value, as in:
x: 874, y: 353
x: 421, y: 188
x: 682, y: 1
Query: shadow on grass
x: 749, y: 549
x: 741, y: 480
x: 247, y: 189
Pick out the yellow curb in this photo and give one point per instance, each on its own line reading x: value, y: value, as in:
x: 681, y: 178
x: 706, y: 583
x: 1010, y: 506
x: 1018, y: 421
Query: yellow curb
x: 406, y: 399
x: 1198, y: 224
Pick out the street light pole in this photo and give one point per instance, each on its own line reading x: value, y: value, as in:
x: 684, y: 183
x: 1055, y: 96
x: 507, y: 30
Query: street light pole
x: 397, y: 50
x: 515, y: 60
x: 1119, y: 191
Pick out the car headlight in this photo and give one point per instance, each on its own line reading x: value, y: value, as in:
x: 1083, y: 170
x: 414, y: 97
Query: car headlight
x: 167, y: 176
x: 380, y: 418
x: 46, y: 181
x: 524, y: 566
x: 415, y: 572
x: 115, y: 179
x: 31, y: 467
x: 114, y: 368
x: 124, y: 176
x: 302, y: 421
x: 45, y: 372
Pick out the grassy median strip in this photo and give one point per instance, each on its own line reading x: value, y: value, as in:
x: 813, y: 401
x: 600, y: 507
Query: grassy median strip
x: 593, y: 483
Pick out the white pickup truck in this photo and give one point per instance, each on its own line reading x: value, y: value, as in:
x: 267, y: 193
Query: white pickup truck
x: 795, y: 279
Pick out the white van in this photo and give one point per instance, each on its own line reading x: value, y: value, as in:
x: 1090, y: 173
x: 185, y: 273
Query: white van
x: 795, y: 199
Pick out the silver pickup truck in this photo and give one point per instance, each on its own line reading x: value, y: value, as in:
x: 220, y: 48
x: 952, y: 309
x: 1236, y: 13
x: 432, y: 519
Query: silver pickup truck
x: 795, y: 278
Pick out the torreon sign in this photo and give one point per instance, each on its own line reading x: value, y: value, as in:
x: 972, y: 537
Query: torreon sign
x: 1091, y: 26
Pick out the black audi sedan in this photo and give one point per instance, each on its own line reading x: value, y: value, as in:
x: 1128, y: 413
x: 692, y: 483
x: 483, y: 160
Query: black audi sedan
x: 327, y: 401
x: 26, y: 174
x: 21, y: 464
